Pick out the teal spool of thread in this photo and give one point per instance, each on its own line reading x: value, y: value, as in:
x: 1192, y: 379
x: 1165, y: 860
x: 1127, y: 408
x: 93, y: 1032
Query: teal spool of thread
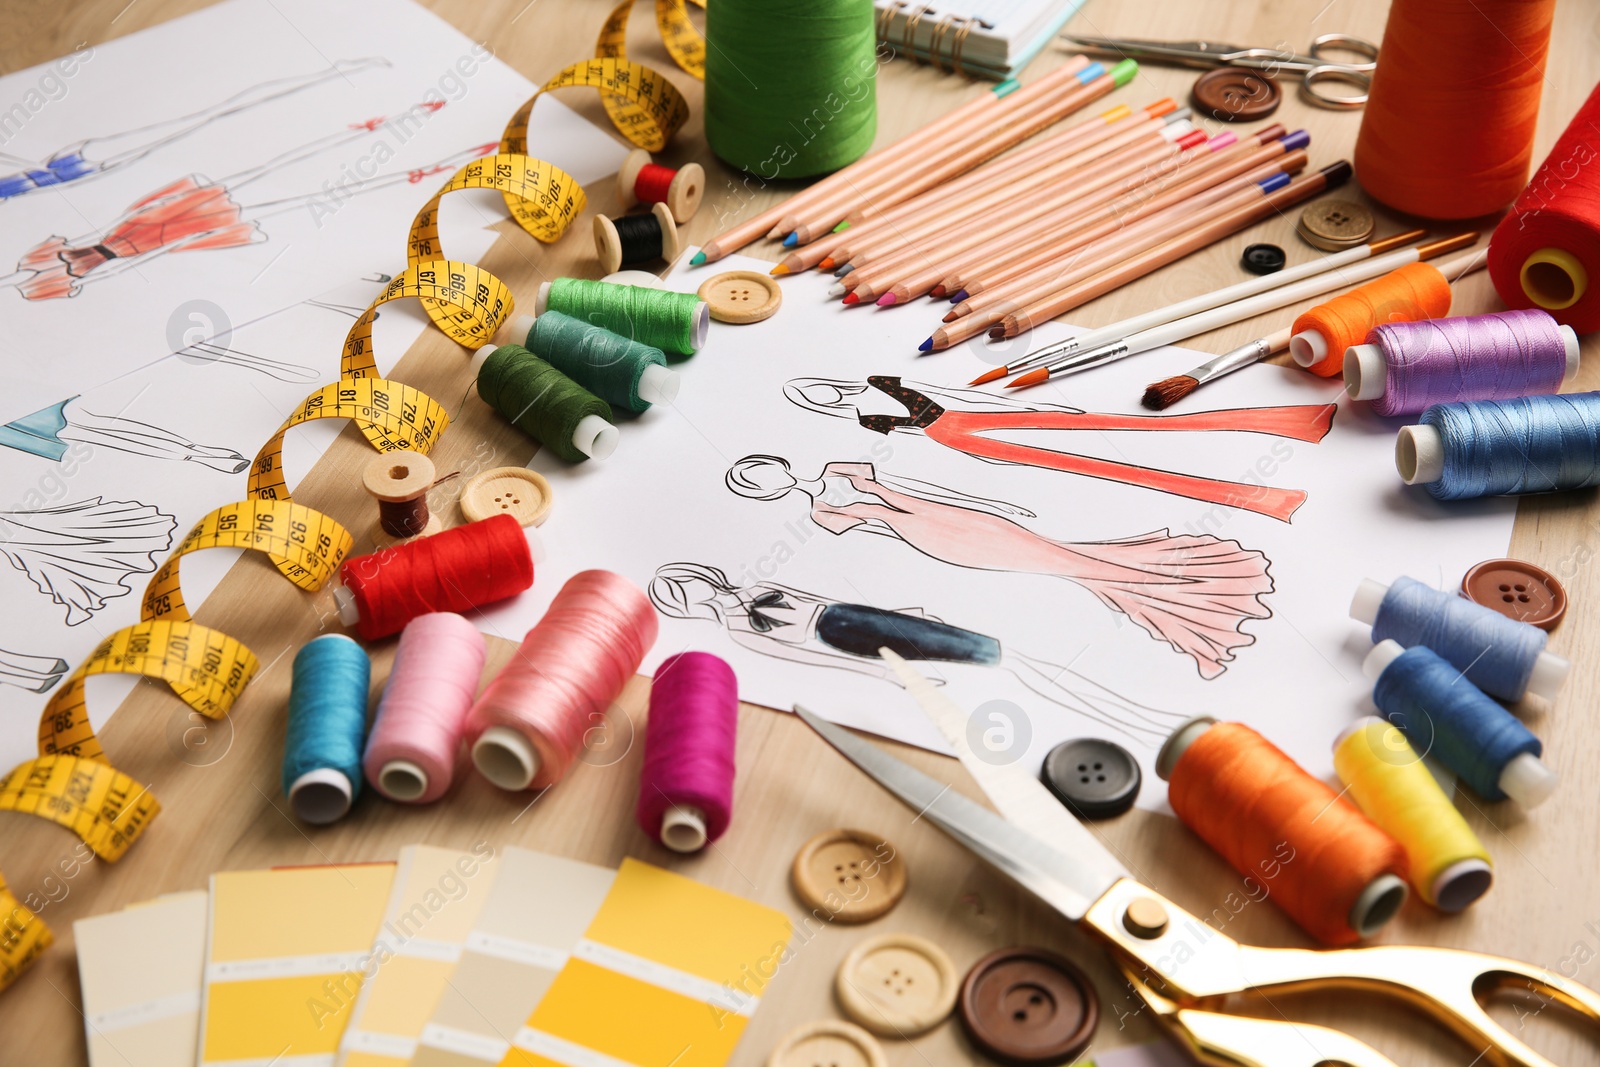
x: 673, y: 322
x: 624, y: 372
x: 327, y: 725
x: 544, y: 403
x: 791, y: 88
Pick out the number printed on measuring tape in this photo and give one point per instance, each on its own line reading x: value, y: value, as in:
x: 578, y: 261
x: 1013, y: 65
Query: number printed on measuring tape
x: 23, y: 936
x: 684, y: 43
x: 305, y: 545
x: 206, y: 668
x: 543, y: 198
x: 655, y: 109
x: 393, y: 416
x: 104, y: 807
x: 465, y: 301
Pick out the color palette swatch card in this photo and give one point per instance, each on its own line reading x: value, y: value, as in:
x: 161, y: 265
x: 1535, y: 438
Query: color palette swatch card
x: 140, y: 970
x: 669, y: 971
x: 437, y: 896
x: 286, y: 953
x: 535, y: 916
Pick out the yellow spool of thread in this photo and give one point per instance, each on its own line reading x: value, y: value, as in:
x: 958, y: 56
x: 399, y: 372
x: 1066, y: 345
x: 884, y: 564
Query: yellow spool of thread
x: 1388, y: 781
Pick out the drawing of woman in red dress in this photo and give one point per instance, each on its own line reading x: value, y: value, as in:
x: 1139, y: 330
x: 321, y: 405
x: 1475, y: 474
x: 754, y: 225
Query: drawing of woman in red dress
x: 1192, y: 591
x: 960, y: 419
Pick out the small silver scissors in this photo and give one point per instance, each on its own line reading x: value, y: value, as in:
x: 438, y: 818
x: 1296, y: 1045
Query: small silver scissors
x: 1315, y: 67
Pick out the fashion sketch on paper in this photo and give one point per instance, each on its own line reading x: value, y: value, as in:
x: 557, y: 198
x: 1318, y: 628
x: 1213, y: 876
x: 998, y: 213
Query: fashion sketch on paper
x: 81, y: 555
x: 963, y: 419
x: 791, y: 624
x: 1192, y: 591
x: 49, y: 432
x: 36, y: 674
x: 85, y: 160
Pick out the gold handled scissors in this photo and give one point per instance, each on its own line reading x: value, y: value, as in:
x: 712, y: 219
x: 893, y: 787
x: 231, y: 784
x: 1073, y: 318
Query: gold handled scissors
x: 1187, y: 980
x: 1315, y: 67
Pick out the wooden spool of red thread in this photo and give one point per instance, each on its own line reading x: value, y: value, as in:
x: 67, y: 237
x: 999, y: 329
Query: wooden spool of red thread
x: 1329, y: 867
x: 641, y: 181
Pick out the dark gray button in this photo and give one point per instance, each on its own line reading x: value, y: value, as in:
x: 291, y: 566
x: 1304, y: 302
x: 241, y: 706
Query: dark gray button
x: 1096, y: 779
x: 1263, y: 259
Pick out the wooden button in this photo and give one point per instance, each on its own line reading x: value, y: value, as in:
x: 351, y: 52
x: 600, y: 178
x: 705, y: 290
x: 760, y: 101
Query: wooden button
x: 516, y: 491
x: 741, y: 296
x: 1235, y: 94
x: 1027, y: 1006
x: 1517, y: 589
x: 1334, y: 225
x: 849, y: 876
x: 1096, y: 779
x: 897, y: 985
x: 827, y: 1043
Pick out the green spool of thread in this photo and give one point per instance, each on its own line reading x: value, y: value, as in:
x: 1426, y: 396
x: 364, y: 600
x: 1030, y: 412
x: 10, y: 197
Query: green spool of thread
x: 791, y: 88
x: 625, y: 372
x: 660, y: 318
x: 544, y: 403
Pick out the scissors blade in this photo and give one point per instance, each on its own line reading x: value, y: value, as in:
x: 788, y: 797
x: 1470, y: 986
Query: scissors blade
x: 1187, y: 53
x: 1067, y: 886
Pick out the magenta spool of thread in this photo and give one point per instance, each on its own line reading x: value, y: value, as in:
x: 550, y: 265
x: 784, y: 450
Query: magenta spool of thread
x: 1406, y: 367
x: 686, y: 783
x: 416, y: 738
x: 531, y: 721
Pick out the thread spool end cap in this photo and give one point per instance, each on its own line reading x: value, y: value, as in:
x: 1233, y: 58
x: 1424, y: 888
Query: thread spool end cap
x: 1368, y: 599
x: 1363, y: 372
x: 1528, y: 780
x: 1461, y: 883
x: 1176, y: 745
x: 481, y: 356
x: 658, y: 385
x: 345, y: 601
x: 1419, y: 454
x: 1549, y: 674
x: 1379, y: 902
x: 321, y: 796
x: 683, y: 828
x: 702, y: 325
x: 522, y: 323
x: 536, y: 550
x: 1383, y: 653
x: 401, y: 779
x: 1569, y: 338
x: 1366, y: 722
x: 595, y: 437
x: 1308, y: 347
x: 506, y: 758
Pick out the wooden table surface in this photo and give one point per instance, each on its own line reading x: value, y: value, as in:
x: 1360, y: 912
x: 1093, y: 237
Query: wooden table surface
x: 229, y: 813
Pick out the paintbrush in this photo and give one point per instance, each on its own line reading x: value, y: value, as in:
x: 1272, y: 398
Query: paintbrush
x: 1168, y: 391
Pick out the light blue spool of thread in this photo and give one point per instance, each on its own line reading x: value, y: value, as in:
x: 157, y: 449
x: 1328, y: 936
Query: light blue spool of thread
x: 1426, y: 699
x: 1501, y: 656
x: 1534, y: 444
x: 327, y: 724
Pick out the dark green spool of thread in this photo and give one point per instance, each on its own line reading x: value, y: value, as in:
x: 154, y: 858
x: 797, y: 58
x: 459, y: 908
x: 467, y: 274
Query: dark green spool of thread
x: 607, y: 363
x: 538, y: 399
x: 791, y: 87
x: 671, y: 321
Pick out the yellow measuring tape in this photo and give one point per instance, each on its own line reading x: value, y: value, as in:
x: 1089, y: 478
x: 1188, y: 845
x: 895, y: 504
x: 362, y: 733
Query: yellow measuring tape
x: 23, y: 936
x: 654, y: 110
x: 465, y: 301
x: 100, y: 804
x: 684, y: 43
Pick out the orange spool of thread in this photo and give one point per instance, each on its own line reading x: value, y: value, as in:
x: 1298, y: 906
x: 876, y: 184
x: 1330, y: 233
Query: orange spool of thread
x: 1546, y: 252
x: 1449, y: 123
x: 1322, y: 861
x: 1412, y: 293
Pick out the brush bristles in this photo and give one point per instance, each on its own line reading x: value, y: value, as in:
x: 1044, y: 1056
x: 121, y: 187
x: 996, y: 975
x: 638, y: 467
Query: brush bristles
x: 1169, y: 391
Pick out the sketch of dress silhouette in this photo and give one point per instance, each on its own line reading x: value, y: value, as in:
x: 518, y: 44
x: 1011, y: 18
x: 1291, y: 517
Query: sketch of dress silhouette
x: 800, y: 627
x: 1192, y: 591
x: 49, y: 432
x: 86, y: 160
x: 196, y: 214
x: 80, y: 555
x: 959, y: 419
x: 37, y: 674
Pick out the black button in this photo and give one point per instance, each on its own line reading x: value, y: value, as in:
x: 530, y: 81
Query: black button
x: 1096, y: 779
x: 1262, y: 259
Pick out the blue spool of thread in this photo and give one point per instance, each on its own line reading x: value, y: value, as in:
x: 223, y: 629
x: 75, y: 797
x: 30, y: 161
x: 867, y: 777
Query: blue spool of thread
x: 1535, y: 444
x: 327, y: 725
x: 1499, y: 655
x: 1426, y: 699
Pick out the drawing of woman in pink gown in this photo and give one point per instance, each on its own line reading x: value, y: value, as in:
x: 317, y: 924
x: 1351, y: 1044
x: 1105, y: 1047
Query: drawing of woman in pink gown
x: 1192, y: 591
x: 960, y: 419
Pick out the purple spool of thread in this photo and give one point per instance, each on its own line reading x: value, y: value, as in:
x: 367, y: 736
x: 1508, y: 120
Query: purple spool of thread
x: 686, y: 783
x: 1405, y: 367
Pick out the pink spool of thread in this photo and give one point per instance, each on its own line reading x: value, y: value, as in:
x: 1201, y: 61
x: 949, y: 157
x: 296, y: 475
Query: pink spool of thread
x: 422, y: 717
x: 686, y: 783
x: 529, y: 724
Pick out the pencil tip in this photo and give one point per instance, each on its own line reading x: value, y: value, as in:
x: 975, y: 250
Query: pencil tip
x: 697, y: 259
x: 842, y: 269
x: 950, y: 316
x: 779, y: 269
x: 961, y: 294
x: 843, y: 226
x: 1033, y: 377
x: 936, y: 292
x: 792, y: 240
x: 826, y: 264
x: 988, y: 376
x: 836, y: 289
x: 997, y: 333
x: 888, y: 300
x: 852, y: 298
x: 926, y: 346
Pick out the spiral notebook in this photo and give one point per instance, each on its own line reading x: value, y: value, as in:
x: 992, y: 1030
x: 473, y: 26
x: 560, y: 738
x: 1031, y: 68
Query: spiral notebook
x: 984, y: 38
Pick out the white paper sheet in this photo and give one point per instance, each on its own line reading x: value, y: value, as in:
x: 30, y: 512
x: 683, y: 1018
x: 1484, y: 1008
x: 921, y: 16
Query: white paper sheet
x: 663, y: 499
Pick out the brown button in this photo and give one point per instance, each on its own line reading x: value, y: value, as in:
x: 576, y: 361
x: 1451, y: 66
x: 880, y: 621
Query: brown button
x: 827, y: 1043
x: 897, y: 985
x: 741, y: 296
x: 1027, y: 1006
x: 1518, y: 590
x: 1235, y: 94
x: 516, y: 491
x: 1334, y: 225
x: 848, y: 876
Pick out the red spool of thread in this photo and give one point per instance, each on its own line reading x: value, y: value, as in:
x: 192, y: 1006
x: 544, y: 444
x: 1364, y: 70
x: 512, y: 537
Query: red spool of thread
x: 1546, y: 252
x: 530, y: 722
x: 1448, y: 127
x: 1324, y: 863
x: 643, y: 182
x: 457, y: 570
x: 686, y: 783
